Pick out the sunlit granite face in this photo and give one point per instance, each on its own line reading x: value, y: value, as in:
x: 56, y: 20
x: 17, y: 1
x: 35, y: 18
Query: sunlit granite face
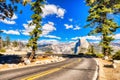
x: 81, y: 46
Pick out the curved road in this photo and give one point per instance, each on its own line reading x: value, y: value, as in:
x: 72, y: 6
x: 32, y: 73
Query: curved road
x: 70, y: 69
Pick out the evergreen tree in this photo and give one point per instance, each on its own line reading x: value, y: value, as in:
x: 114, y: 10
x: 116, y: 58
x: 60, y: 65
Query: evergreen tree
x: 36, y: 21
x: 1, y: 42
x: 7, y: 41
x: 101, y: 24
x: 15, y: 44
x: 7, y: 10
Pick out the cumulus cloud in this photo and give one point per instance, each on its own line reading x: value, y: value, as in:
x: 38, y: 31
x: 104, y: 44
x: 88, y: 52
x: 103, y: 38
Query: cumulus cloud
x: 24, y: 41
x: 75, y: 38
x: 7, y: 21
x: 68, y: 26
x: 77, y: 28
x: 48, y: 41
x: 71, y: 27
x: 88, y: 37
x: 10, y: 21
x: 117, y: 36
x: 46, y: 28
x: 13, y: 32
x: 27, y: 28
x: 52, y: 9
x: 51, y: 36
x: 92, y: 37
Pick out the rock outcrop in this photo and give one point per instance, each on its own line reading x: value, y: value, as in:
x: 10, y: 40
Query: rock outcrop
x: 81, y: 46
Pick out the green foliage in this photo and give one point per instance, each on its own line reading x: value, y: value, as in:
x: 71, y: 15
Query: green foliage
x: 91, y: 49
x: 15, y: 43
x: 101, y: 24
x: 48, y: 52
x: 36, y: 21
x: 7, y: 10
x: 2, y: 50
x: 99, y: 55
x: 7, y: 41
x: 116, y: 55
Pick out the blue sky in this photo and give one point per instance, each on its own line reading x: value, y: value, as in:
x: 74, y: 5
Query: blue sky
x: 63, y: 21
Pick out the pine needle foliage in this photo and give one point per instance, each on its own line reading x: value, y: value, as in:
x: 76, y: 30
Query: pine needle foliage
x: 36, y: 21
x: 101, y: 24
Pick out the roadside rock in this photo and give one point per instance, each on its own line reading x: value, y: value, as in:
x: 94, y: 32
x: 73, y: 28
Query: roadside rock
x: 26, y: 61
x: 117, y: 61
x: 52, y: 59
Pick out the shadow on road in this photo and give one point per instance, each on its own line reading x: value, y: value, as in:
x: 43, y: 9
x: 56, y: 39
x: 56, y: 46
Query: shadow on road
x: 10, y: 59
x: 74, y: 55
x: 15, y: 59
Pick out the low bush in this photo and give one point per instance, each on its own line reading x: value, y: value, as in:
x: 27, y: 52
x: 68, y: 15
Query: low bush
x: 2, y: 50
x: 116, y: 55
x: 99, y: 55
x: 48, y: 52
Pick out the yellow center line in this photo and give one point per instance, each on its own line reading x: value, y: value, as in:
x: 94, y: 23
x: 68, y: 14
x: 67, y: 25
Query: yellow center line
x: 46, y: 72
x: 41, y: 74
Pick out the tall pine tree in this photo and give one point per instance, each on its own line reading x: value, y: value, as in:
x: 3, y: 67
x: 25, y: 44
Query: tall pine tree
x: 7, y: 41
x: 8, y: 10
x: 36, y: 21
x: 100, y: 22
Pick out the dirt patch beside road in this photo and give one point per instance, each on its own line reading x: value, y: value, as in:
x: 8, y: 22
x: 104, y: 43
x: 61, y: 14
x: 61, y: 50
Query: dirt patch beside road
x: 108, y: 72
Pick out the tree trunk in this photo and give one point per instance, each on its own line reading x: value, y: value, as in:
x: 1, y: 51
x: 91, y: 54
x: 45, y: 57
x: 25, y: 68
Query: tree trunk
x: 32, y: 55
x: 105, y: 52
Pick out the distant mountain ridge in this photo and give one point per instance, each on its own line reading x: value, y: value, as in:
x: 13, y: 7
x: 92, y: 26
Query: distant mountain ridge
x: 64, y: 48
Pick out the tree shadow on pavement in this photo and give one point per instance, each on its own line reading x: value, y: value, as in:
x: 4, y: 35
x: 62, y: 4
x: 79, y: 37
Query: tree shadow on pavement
x: 10, y: 59
x: 77, y: 55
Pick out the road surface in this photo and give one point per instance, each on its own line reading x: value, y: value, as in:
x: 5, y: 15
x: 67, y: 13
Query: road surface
x: 70, y: 69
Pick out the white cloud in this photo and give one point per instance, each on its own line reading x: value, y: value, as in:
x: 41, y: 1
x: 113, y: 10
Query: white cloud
x: 76, y: 28
x: 95, y: 42
x: 25, y: 32
x: 7, y: 21
x: 92, y: 37
x: 70, y: 19
x: 88, y: 37
x: 117, y: 36
x: 48, y: 41
x: 51, y: 9
x: 14, y: 32
x: 61, y: 12
x: 23, y: 41
x: 10, y: 21
x: 27, y: 28
x: 51, y: 36
x: 75, y: 38
x: 47, y: 28
x: 68, y: 26
x: 14, y: 17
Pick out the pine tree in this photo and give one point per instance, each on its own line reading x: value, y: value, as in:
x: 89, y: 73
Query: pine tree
x: 7, y: 10
x: 15, y: 44
x: 101, y: 24
x: 7, y: 41
x: 36, y: 21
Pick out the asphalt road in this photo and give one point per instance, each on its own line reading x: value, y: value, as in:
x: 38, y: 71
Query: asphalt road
x: 70, y: 69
